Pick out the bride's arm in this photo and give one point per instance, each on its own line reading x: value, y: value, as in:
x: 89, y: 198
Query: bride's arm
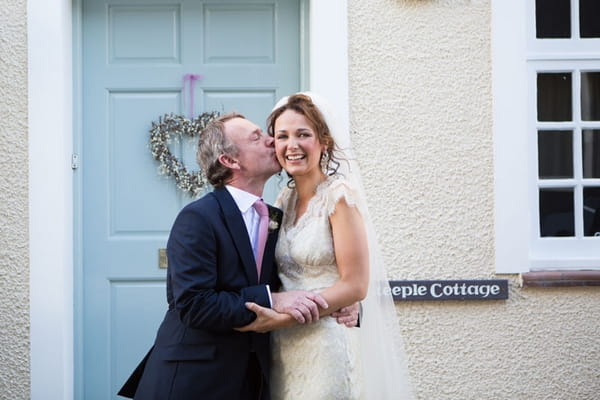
x: 352, y: 258
x: 268, y: 319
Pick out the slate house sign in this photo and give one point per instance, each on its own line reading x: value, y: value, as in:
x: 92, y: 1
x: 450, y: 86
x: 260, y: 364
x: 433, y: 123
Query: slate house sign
x: 496, y: 289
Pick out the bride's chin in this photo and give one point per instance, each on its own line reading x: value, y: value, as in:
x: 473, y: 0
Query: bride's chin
x: 293, y: 171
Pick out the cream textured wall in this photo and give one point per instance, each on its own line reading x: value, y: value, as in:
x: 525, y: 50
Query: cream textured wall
x: 14, y: 249
x: 421, y: 112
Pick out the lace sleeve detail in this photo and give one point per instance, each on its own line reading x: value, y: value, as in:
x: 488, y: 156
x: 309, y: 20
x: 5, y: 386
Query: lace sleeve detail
x: 282, y: 198
x: 341, y: 188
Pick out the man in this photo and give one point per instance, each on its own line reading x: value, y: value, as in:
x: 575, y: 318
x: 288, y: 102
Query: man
x: 213, y: 273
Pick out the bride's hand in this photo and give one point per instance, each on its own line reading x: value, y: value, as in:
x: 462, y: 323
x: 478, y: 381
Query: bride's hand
x: 266, y: 320
x: 349, y: 316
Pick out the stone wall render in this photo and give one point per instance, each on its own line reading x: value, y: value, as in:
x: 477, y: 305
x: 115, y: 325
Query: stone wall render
x: 14, y: 247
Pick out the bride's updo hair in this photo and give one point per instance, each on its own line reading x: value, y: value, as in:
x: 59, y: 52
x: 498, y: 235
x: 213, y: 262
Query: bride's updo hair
x: 303, y: 104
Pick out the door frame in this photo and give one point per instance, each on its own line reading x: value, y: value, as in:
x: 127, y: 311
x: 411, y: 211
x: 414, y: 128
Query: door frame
x: 54, y: 82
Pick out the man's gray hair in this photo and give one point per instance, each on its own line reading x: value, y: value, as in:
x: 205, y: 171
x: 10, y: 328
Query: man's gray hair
x: 213, y: 143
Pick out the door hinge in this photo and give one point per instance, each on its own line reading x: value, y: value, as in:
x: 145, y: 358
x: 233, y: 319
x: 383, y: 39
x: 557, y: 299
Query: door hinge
x: 74, y: 161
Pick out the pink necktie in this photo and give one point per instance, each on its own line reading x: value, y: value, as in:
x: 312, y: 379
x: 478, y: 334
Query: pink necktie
x: 263, y: 211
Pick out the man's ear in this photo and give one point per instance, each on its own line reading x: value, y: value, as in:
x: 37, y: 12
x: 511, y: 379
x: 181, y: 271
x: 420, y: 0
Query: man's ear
x: 229, y: 162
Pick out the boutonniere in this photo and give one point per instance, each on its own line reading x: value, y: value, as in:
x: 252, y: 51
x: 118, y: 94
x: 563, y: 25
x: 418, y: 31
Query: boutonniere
x: 273, y: 221
x: 273, y: 225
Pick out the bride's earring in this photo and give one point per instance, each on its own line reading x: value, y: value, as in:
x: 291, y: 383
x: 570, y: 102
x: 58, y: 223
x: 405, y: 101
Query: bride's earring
x: 324, y: 162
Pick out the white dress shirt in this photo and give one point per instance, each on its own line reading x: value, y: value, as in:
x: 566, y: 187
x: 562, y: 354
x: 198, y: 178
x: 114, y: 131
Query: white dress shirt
x: 244, y: 201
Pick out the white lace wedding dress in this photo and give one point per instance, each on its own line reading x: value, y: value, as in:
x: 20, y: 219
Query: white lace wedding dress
x: 319, y: 360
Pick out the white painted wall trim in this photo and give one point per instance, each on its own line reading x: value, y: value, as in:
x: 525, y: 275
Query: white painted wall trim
x: 50, y: 198
x: 51, y: 208
x: 511, y: 155
x: 328, y: 59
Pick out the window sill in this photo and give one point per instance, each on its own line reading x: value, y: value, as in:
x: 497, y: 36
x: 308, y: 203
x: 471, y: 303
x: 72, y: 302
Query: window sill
x: 560, y: 278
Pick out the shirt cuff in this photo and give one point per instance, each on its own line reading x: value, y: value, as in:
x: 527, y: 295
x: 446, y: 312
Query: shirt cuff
x: 270, y: 298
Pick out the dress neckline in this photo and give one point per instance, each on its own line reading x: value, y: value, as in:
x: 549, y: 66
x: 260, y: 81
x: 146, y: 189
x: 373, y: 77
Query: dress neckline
x: 309, y: 207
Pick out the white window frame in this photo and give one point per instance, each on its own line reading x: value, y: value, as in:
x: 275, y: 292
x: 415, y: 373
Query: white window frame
x: 516, y: 57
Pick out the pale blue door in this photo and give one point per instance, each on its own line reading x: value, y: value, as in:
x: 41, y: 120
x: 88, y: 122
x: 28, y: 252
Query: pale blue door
x: 135, y: 54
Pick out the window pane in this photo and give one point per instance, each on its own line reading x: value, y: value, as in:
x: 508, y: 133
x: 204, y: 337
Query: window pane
x: 556, y: 212
x: 555, y: 154
x: 554, y: 96
x: 590, y: 95
x: 552, y: 19
x: 591, y: 211
x: 590, y: 143
x: 589, y: 24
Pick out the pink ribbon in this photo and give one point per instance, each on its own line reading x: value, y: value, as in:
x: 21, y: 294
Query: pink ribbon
x: 190, y: 81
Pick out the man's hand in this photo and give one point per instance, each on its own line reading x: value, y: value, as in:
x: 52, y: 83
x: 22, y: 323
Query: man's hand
x: 303, y: 306
x: 266, y: 320
x: 348, y: 315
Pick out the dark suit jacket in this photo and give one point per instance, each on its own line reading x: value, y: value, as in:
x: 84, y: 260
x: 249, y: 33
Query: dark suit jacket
x: 211, y: 274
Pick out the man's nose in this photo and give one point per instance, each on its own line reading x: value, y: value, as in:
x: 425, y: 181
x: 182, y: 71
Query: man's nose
x: 270, y: 141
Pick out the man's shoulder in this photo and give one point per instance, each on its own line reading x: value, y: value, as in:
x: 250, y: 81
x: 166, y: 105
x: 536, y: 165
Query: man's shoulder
x: 208, y: 203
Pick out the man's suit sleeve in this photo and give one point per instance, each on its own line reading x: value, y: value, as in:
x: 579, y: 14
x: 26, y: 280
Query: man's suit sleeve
x: 201, y: 300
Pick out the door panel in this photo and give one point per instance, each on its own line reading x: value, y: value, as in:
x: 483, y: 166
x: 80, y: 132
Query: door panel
x: 128, y: 165
x: 135, y: 54
x: 133, y: 314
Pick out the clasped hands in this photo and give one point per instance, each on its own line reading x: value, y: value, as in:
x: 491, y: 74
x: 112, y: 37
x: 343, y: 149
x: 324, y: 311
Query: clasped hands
x: 293, y: 307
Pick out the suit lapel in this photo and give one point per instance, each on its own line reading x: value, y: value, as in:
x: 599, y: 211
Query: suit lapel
x: 239, y: 233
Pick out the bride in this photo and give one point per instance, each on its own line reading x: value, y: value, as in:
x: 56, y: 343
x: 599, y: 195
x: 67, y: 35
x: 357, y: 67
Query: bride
x: 326, y: 245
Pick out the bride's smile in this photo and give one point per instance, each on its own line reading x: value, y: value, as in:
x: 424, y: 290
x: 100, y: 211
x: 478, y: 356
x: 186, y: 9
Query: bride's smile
x: 294, y: 157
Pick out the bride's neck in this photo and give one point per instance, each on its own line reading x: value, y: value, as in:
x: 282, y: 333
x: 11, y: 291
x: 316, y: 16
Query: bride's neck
x: 307, y: 185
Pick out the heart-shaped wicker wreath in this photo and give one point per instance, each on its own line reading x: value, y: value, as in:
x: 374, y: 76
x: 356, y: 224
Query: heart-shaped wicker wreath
x: 172, y: 127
